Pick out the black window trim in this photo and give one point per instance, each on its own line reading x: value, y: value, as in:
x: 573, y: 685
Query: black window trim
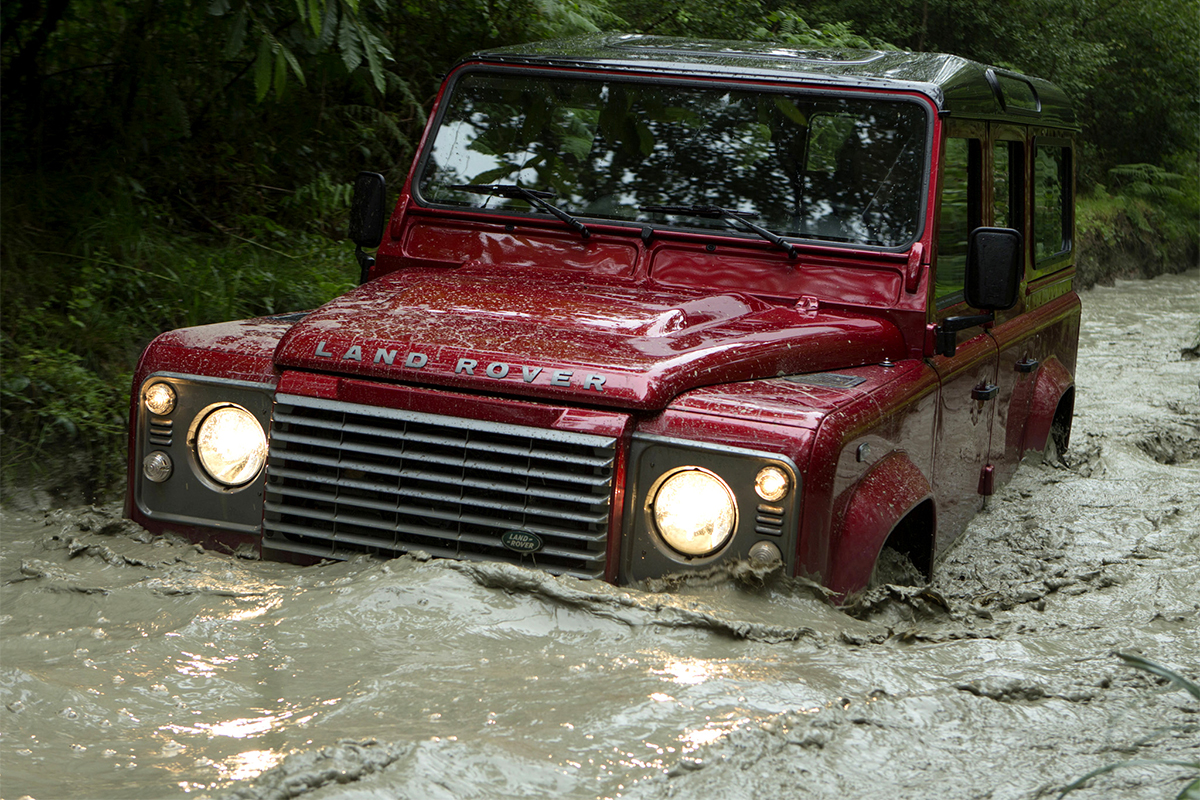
x: 1064, y: 257
x: 928, y: 104
x: 975, y: 137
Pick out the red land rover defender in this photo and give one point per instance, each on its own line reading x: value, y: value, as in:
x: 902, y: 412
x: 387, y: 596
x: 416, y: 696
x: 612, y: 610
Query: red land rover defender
x: 648, y: 305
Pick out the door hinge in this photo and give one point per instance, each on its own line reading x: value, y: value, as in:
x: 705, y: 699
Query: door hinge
x: 1027, y: 365
x: 985, y: 392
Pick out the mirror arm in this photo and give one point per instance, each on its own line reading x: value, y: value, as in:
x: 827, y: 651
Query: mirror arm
x: 947, y: 331
x: 365, y: 262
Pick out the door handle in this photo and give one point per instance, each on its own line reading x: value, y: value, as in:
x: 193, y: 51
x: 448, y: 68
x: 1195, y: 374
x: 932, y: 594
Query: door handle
x: 986, y: 392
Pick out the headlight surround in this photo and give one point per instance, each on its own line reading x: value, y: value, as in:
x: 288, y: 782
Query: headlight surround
x: 694, y: 511
x: 230, y: 445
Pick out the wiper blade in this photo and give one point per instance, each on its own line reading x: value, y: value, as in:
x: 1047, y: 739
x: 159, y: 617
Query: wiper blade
x: 716, y: 212
x: 535, y: 197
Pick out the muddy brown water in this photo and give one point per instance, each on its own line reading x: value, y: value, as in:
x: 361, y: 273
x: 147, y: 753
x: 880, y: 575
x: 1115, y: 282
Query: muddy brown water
x: 134, y: 667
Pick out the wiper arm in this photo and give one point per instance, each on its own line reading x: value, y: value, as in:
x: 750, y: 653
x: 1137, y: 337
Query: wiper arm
x: 716, y: 212
x: 532, y: 196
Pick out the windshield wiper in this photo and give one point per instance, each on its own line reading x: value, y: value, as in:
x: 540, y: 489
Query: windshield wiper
x: 716, y: 212
x: 534, y: 197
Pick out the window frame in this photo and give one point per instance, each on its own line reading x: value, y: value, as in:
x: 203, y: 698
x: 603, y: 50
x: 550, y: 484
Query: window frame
x: 1064, y: 257
x: 922, y: 101
x: 975, y: 134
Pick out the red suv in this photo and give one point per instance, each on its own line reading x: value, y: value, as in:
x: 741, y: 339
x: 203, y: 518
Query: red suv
x: 650, y: 305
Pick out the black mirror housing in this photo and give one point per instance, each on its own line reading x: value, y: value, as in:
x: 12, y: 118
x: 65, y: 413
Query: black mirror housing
x: 367, y: 210
x: 994, y: 267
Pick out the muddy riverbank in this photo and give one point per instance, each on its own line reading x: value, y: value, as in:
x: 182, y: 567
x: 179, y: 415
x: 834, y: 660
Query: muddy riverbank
x: 134, y: 667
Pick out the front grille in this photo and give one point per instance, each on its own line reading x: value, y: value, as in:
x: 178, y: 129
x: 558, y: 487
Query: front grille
x: 345, y: 478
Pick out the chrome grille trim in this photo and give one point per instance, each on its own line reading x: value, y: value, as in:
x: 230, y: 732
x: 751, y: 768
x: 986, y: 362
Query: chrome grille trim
x: 343, y: 478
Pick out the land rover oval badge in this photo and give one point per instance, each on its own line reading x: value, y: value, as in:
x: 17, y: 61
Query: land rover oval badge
x: 521, y: 541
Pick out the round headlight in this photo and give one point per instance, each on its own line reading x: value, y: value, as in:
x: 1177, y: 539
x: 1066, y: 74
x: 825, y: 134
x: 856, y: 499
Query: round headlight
x: 694, y: 512
x: 771, y: 484
x: 160, y: 399
x: 231, y: 445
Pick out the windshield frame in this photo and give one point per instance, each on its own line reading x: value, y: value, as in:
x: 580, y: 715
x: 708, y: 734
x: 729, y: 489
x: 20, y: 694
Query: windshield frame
x: 926, y: 105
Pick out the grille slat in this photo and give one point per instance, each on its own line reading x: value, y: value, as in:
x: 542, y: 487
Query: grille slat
x: 345, y: 478
x: 409, y: 455
x: 460, y: 498
x: 366, y: 502
x: 332, y: 551
x: 456, y: 442
x: 371, y: 539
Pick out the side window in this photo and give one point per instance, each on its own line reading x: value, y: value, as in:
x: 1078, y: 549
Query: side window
x: 960, y: 214
x: 1008, y: 185
x: 1051, y: 202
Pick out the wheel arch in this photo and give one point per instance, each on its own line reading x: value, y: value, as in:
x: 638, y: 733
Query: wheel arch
x: 1052, y: 407
x: 894, y: 499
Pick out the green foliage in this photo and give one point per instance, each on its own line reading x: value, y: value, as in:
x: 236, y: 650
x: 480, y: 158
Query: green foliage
x: 789, y: 28
x: 77, y: 310
x: 1151, y: 182
x: 1192, y: 790
x: 52, y: 397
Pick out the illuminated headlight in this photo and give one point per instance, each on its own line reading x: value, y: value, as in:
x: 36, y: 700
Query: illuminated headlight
x: 694, y: 512
x: 160, y: 399
x: 231, y: 445
x: 772, y: 484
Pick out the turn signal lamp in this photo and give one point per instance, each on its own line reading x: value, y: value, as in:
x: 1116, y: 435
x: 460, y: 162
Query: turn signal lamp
x: 160, y: 399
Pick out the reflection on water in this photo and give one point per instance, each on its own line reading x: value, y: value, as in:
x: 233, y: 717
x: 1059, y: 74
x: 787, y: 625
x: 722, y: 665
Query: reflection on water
x: 686, y: 672
x: 243, y: 728
x: 239, y: 767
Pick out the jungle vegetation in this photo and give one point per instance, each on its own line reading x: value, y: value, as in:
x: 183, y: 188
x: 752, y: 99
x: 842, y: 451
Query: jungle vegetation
x: 169, y: 163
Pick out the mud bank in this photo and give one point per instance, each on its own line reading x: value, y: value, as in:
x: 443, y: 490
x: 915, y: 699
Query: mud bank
x: 1115, y: 246
x: 136, y: 667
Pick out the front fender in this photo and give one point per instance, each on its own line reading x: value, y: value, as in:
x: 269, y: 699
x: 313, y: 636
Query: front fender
x: 876, y: 504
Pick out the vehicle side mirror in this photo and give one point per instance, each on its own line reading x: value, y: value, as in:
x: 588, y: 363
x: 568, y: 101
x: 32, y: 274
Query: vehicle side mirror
x: 366, y: 209
x: 994, y: 267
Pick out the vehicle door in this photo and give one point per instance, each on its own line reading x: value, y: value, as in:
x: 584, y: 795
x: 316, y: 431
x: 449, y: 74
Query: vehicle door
x: 1041, y: 327
x: 962, y: 432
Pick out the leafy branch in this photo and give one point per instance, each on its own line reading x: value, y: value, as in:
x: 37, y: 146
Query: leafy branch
x: 319, y: 26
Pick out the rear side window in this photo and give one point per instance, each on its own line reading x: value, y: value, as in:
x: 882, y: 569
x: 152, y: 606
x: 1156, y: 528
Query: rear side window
x: 1018, y: 93
x: 1008, y: 185
x: 1051, y: 203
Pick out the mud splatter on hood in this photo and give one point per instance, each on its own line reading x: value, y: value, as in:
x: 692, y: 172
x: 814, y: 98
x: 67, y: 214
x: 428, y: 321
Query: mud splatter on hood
x: 549, y: 335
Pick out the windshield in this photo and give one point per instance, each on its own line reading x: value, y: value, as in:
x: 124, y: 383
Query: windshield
x: 835, y: 168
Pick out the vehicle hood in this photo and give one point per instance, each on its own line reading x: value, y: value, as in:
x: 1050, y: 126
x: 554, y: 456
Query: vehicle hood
x: 552, y: 335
